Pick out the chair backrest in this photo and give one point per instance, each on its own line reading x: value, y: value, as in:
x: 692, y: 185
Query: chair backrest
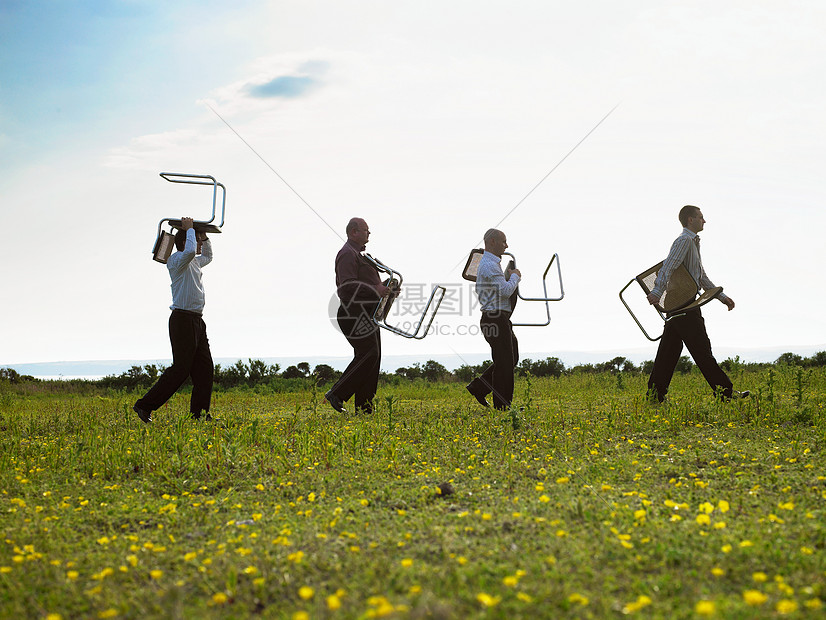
x: 163, y: 246
x: 472, y: 265
x: 680, y: 291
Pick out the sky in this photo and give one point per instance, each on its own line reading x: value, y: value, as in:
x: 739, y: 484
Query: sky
x: 433, y: 121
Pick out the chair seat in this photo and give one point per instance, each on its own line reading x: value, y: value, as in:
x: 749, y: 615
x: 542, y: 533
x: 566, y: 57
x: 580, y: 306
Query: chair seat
x: 198, y: 226
x: 681, y: 291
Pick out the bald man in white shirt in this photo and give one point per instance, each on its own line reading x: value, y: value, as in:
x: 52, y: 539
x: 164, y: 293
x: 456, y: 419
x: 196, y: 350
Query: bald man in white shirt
x: 494, y: 289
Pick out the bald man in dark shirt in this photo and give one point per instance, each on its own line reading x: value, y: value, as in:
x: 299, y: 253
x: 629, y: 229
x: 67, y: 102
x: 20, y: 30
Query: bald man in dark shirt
x: 359, y: 290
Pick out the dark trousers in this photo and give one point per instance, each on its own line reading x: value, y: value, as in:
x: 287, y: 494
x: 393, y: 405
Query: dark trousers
x: 361, y: 377
x: 690, y: 329
x: 190, y: 358
x: 504, y: 349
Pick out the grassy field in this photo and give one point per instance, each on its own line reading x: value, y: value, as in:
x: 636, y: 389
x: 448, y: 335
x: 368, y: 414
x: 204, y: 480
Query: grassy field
x: 590, y: 503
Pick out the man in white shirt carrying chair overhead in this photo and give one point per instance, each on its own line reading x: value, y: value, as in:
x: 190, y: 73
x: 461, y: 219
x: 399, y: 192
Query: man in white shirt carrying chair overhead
x: 687, y: 326
x: 191, y: 356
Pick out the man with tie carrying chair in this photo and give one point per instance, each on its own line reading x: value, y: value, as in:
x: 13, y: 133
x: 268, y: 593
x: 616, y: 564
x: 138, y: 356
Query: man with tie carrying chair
x: 687, y: 326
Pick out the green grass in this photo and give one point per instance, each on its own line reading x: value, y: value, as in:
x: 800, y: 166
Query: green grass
x: 589, y: 503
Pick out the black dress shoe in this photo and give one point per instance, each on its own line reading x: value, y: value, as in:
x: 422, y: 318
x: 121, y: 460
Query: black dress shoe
x: 335, y: 402
x: 197, y: 416
x: 735, y: 395
x: 145, y: 416
x: 477, y: 395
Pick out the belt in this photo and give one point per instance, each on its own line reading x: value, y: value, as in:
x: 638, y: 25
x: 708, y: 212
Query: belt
x: 497, y: 314
x: 187, y: 312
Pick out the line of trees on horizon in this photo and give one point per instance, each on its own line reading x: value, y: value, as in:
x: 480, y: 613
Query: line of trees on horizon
x: 255, y: 373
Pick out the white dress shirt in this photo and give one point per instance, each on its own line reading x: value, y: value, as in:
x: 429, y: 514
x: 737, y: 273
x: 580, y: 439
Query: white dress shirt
x: 684, y: 250
x: 185, y: 270
x: 493, y: 289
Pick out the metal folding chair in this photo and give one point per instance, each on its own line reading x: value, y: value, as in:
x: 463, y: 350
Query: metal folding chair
x: 681, y: 294
x: 472, y: 268
x: 165, y: 240
x: 394, y: 282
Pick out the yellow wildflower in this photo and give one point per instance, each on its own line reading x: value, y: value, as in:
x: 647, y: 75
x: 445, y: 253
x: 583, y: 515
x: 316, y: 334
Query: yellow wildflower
x: 642, y: 601
x: 705, y: 608
x: 754, y: 597
x: 487, y: 600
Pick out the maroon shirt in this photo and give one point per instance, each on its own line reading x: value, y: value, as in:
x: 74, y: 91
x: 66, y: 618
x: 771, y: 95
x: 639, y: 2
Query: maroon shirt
x: 356, y: 279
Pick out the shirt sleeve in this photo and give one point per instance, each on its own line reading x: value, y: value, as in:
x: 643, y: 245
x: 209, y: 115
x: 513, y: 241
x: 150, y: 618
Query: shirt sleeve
x: 206, y: 253
x: 493, y: 280
x: 179, y: 260
x: 675, y: 258
x: 707, y: 284
x: 504, y: 287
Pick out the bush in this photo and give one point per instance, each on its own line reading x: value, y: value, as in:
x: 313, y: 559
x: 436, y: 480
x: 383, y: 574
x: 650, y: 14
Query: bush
x: 136, y: 378
x: 549, y: 367
x: 239, y: 374
x: 10, y: 375
x: 326, y: 374
x: 684, y: 365
x: 468, y: 372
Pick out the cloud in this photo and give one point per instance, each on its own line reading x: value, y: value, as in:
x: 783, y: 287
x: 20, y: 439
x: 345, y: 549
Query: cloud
x: 291, y: 86
x: 287, y: 86
x: 151, y: 151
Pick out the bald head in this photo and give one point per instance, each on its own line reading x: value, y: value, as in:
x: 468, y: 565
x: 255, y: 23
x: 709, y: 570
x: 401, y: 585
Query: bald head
x: 355, y: 224
x: 358, y: 231
x: 492, y: 234
x: 495, y: 241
